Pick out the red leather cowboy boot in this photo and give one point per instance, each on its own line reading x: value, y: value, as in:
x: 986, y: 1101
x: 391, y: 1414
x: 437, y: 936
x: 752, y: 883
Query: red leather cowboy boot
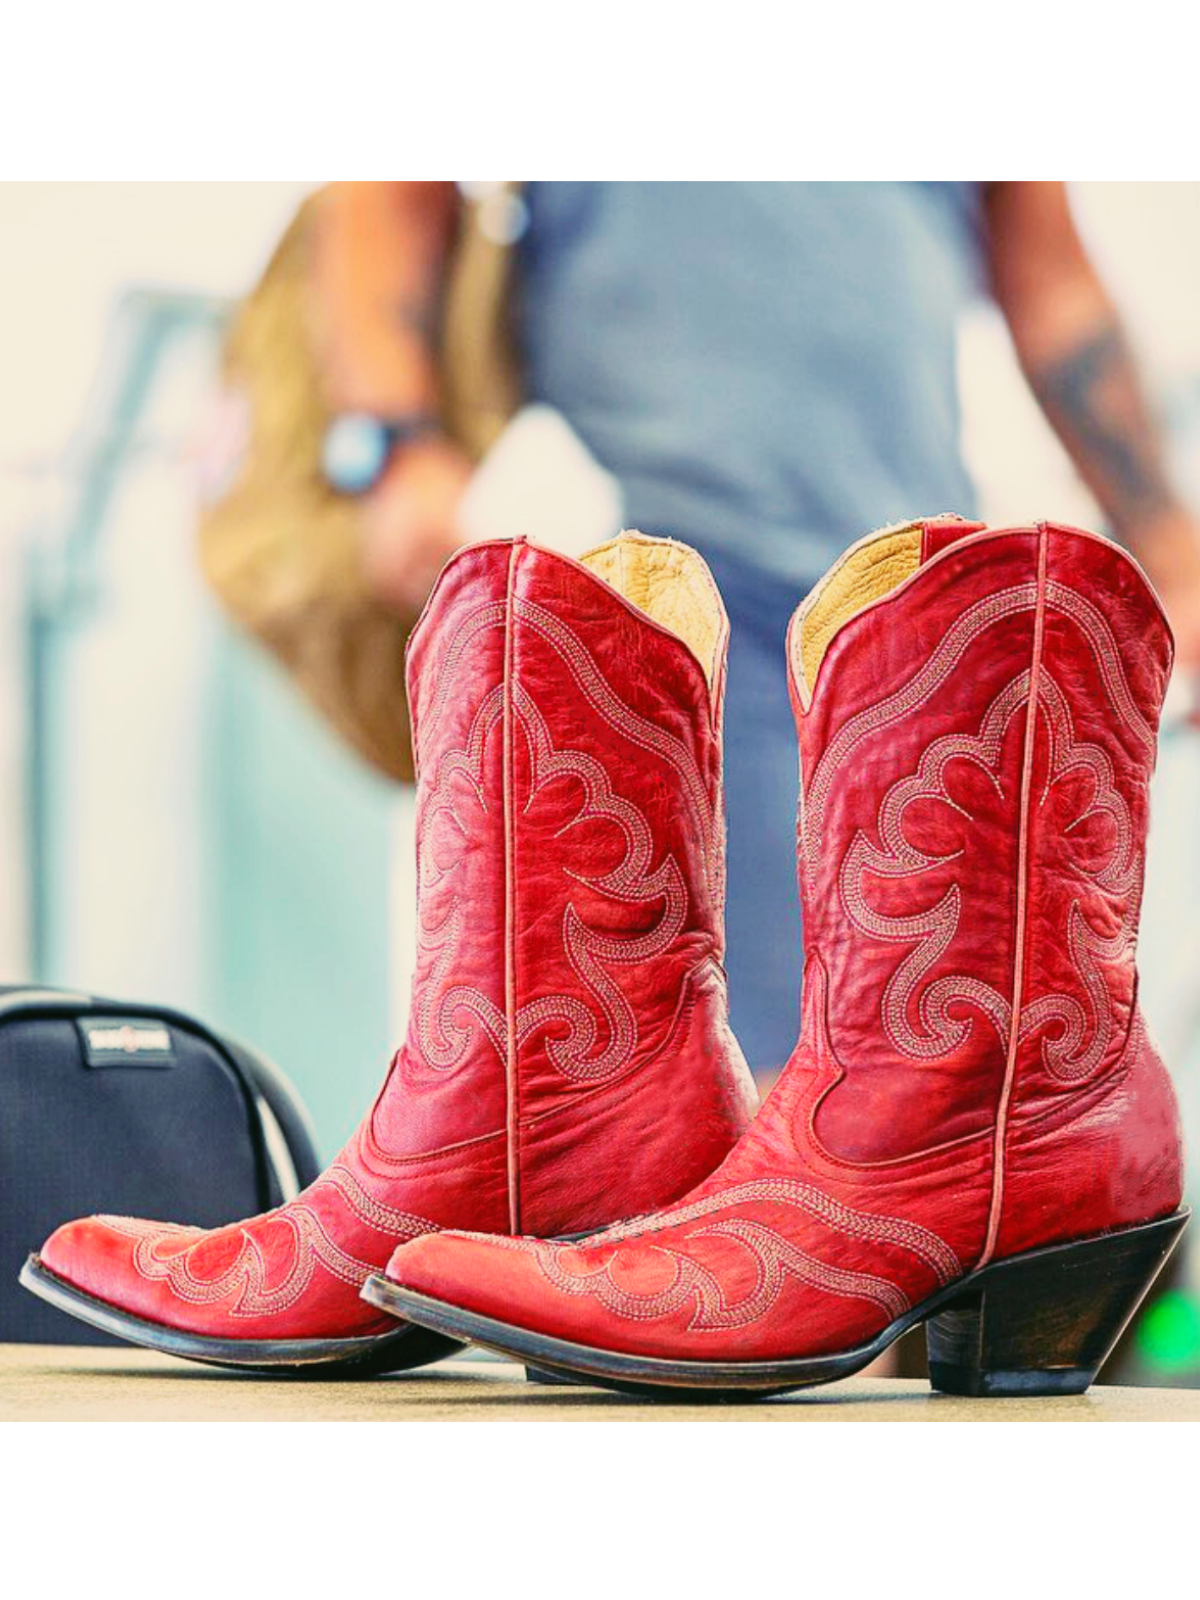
x: 568, y: 1060
x: 974, y: 1130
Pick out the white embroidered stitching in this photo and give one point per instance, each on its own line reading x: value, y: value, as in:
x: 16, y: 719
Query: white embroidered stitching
x: 245, y: 1277
x: 934, y: 929
x: 621, y: 717
x: 958, y: 638
x: 1084, y: 1040
x: 775, y: 1258
x: 1107, y: 653
x: 866, y: 1225
x: 442, y: 1038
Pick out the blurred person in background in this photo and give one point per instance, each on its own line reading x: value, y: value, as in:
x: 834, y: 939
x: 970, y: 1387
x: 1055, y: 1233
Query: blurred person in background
x: 769, y: 371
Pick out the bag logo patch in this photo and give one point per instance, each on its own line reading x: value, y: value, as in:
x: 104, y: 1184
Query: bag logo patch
x: 126, y: 1042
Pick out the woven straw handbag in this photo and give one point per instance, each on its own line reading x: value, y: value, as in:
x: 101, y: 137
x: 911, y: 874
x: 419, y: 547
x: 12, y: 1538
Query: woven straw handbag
x: 279, y: 547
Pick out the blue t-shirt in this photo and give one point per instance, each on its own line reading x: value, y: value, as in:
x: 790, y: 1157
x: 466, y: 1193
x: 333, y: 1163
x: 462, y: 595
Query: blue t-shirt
x: 767, y: 368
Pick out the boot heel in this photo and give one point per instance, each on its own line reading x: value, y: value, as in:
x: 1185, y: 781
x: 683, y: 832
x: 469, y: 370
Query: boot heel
x: 1045, y: 1322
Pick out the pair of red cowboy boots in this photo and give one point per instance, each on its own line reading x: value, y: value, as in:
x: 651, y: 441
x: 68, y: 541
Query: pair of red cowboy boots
x: 974, y: 1130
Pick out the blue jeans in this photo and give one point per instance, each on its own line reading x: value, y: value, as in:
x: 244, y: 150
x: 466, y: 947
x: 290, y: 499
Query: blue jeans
x: 763, y: 956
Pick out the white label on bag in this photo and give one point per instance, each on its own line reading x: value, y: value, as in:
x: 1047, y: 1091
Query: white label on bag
x: 120, y: 1041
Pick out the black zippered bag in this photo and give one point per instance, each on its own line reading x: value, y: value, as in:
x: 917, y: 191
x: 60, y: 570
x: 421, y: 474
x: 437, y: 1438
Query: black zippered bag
x: 134, y: 1110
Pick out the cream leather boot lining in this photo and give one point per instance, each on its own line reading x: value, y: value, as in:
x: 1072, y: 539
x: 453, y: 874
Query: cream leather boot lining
x: 870, y: 569
x: 671, y: 584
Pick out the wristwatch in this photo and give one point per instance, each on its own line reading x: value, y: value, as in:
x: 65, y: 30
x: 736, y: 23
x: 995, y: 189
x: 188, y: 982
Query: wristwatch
x: 358, y: 445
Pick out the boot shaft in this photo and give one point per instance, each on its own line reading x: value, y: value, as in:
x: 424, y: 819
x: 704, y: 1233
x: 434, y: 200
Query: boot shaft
x: 570, y: 849
x: 977, y: 716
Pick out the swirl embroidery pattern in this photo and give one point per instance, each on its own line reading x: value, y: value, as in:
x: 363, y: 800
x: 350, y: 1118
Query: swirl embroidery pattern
x: 1085, y: 1030
x: 165, y: 1252
x: 776, y: 1258
x: 599, y: 1039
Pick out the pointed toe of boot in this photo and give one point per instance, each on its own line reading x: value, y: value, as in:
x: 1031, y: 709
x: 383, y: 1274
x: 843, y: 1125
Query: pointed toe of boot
x: 91, y: 1255
x: 473, y: 1271
x: 97, y: 1257
x: 492, y: 1279
x: 503, y: 1292
x: 68, y: 1252
x: 270, y: 1292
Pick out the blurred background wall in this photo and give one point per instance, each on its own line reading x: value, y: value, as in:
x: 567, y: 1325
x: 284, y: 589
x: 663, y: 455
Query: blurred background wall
x: 173, y: 823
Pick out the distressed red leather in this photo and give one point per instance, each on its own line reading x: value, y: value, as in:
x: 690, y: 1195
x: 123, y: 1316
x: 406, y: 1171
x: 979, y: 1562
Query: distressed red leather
x: 973, y: 1077
x: 568, y: 1060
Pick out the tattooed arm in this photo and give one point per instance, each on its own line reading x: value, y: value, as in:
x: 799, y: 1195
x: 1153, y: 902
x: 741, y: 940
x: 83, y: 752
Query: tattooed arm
x: 1074, y: 353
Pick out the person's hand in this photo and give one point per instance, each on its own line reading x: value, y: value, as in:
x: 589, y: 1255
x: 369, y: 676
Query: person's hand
x: 410, y: 526
x: 1181, y: 598
x: 1170, y: 553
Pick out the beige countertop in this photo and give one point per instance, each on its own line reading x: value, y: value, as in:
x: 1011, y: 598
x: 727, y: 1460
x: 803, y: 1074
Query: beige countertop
x: 69, y: 1383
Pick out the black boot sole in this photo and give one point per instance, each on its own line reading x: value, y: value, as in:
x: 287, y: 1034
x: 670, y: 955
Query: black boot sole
x: 396, y: 1351
x: 1040, y: 1323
